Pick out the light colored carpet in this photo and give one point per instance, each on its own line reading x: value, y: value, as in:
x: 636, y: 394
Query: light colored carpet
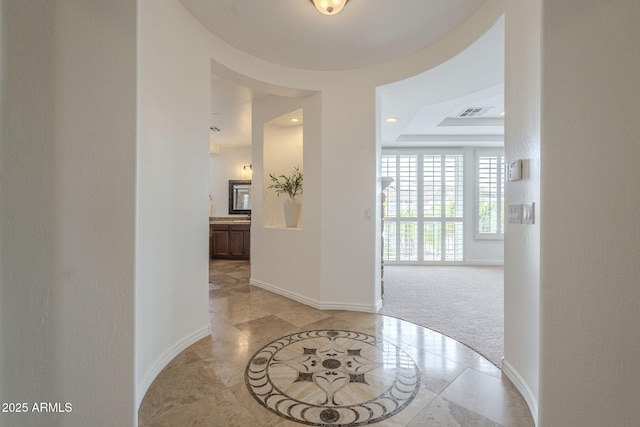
x: 465, y: 303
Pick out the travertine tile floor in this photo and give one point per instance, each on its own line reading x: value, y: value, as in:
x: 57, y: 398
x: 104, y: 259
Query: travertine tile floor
x: 205, y: 385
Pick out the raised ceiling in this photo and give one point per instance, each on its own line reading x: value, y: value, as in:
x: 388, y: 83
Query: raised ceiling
x: 366, y: 33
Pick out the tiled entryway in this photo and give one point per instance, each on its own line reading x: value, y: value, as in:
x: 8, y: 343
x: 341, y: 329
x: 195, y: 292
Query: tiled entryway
x: 271, y: 361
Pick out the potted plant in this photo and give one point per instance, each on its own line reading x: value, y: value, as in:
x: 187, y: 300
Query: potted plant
x: 291, y: 186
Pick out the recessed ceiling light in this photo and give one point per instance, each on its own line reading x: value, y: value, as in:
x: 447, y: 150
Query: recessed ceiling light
x: 294, y: 120
x: 392, y: 120
x: 502, y: 113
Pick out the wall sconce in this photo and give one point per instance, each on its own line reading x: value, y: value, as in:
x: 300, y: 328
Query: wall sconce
x: 329, y: 7
x: 247, y: 167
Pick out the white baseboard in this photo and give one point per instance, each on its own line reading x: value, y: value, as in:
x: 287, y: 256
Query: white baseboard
x: 379, y: 305
x: 320, y: 305
x: 497, y: 262
x: 164, y: 359
x: 523, y: 388
x: 491, y: 263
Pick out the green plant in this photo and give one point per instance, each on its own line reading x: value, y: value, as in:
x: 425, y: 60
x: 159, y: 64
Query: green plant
x: 290, y: 185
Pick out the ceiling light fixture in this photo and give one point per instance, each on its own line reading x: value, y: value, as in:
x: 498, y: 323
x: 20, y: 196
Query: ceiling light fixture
x: 329, y: 7
x: 294, y: 120
x: 392, y: 120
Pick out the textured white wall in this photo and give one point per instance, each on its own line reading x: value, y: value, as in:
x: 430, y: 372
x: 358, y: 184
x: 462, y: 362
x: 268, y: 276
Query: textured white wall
x: 522, y: 242
x: 173, y: 209
x: 67, y: 209
x: 590, y: 340
x: 350, y: 164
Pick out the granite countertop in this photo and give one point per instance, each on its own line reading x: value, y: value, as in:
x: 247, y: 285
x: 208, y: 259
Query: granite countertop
x: 229, y: 220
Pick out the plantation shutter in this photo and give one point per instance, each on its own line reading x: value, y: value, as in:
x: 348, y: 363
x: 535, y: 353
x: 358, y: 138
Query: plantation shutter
x: 490, y: 196
x: 424, y: 207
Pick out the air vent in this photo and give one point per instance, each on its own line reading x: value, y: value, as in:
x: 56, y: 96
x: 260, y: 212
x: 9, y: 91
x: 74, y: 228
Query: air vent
x: 215, y: 128
x: 474, y: 112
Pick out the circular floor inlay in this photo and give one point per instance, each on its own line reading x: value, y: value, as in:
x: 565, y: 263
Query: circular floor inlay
x: 331, y: 377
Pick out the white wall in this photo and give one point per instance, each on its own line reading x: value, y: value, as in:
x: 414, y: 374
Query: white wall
x: 67, y: 209
x: 590, y: 294
x: 173, y: 156
x: 223, y: 166
x: 350, y: 160
x: 522, y: 242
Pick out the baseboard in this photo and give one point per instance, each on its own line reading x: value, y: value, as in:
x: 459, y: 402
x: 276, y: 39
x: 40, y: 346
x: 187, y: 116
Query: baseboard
x: 378, y: 305
x: 320, y: 305
x: 473, y: 263
x: 490, y: 263
x: 164, y: 359
x: 522, y: 386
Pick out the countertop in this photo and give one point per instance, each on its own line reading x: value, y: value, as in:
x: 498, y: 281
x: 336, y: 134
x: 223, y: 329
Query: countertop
x: 229, y: 220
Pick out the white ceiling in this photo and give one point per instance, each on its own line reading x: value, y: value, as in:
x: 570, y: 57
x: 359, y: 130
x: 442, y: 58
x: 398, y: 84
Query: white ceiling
x: 365, y: 33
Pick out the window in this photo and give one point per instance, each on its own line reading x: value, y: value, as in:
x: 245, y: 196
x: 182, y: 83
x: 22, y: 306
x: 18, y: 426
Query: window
x: 490, y: 195
x: 424, y: 206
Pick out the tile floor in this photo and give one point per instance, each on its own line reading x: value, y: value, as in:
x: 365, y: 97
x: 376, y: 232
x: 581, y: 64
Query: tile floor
x: 208, y: 384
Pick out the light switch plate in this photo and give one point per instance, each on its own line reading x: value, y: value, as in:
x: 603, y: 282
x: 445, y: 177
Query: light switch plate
x: 528, y: 213
x: 515, y: 214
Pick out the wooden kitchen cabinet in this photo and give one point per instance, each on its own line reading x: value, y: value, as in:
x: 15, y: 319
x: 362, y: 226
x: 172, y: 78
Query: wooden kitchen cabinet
x: 229, y: 241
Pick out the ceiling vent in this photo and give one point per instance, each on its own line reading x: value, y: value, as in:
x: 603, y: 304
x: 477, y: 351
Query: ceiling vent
x: 474, y: 112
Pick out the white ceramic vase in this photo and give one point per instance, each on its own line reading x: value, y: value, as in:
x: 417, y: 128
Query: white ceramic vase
x: 291, y: 212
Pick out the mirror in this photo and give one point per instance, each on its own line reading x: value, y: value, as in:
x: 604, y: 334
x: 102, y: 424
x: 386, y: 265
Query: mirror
x: 239, y: 197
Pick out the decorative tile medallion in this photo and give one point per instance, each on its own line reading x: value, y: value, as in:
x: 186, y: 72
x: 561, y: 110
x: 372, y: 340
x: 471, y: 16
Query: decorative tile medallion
x: 333, y: 378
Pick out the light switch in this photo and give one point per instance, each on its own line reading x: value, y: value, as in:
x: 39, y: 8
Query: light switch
x: 367, y: 213
x: 515, y: 214
x: 528, y: 214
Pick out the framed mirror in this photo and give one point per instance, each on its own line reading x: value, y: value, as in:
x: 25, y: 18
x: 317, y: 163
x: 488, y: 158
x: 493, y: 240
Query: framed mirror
x: 239, y: 197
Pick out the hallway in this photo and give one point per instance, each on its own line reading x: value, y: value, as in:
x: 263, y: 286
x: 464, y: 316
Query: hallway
x: 414, y: 376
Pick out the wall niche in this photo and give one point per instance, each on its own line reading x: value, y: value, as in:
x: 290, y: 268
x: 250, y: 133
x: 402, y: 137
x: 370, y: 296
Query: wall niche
x: 283, y: 148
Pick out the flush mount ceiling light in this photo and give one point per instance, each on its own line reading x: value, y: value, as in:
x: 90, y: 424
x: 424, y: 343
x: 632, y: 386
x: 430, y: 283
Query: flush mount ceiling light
x: 329, y: 7
x: 392, y: 120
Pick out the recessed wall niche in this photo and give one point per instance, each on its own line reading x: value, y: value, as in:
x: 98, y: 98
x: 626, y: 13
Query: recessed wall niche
x: 283, y: 147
